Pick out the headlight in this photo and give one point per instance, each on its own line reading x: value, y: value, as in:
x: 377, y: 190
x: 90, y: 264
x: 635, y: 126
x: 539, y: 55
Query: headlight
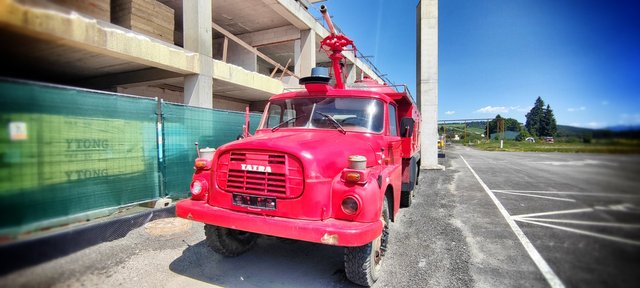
x: 350, y: 205
x: 198, y: 189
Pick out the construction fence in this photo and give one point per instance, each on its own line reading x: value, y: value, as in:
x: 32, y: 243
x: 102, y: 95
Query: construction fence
x: 69, y: 155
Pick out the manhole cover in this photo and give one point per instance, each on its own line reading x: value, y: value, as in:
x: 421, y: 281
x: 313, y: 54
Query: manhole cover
x: 167, y: 226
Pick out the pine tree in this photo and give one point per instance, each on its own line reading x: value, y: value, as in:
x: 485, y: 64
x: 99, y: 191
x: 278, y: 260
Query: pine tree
x: 534, y: 118
x: 549, y: 120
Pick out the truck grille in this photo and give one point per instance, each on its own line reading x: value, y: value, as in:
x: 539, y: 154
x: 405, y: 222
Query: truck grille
x: 260, y: 173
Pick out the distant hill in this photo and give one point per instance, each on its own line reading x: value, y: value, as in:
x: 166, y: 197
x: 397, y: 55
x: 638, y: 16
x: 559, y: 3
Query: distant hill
x: 571, y: 131
x: 628, y: 132
x: 620, y: 131
x: 624, y: 128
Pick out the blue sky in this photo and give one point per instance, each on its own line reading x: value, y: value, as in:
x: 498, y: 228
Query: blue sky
x: 497, y: 56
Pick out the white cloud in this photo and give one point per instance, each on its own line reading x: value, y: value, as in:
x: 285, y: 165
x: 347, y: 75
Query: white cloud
x: 450, y: 112
x: 520, y: 109
x: 596, y: 125
x: 591, y: 125
x: 581, y: 108
x: 629, y: 119
x: 492, y: 110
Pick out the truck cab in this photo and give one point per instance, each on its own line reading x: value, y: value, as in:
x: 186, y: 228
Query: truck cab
x: 329, y: 165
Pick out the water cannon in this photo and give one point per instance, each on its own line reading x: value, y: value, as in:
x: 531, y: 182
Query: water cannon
x: 327, y: 18
x: 333, y: 45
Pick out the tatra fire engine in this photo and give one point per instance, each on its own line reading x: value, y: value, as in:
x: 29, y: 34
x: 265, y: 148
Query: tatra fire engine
x: 329, y: 165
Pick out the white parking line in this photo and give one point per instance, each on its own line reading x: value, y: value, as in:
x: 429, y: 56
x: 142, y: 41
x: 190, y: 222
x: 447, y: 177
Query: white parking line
x: 554, y: 213
x: 570, y: 193
x: 544, y: 268
x: 537, y: 196
x: 579, y: 222
x: 598, y: 235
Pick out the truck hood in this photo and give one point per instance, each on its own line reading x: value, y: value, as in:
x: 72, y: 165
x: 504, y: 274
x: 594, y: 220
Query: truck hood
x: 323, y: 153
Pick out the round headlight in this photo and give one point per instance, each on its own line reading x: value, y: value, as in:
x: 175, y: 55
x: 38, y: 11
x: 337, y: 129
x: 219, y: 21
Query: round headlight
x: 198, y: 188
x: 350, y: 205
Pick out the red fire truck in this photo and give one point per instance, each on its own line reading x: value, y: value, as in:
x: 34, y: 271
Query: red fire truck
x: 329, y: 165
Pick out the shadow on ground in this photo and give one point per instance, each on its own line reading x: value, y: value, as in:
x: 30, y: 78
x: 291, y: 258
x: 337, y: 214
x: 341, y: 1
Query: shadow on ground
x: 45, y: 248
x: 273, y: 262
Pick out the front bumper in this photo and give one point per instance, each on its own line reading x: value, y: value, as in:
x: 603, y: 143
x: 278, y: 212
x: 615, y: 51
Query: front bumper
x: 330, y: 231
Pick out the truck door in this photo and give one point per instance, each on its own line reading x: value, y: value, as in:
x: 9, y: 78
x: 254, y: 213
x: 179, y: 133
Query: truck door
x: 393, y: 151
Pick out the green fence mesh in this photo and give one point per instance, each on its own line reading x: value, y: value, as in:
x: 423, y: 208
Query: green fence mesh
x: 65, y: 152
x: 182, y: 127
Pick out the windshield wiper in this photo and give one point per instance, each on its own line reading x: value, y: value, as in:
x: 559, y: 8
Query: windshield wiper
x: 285, y: 122
x: 333, y: 121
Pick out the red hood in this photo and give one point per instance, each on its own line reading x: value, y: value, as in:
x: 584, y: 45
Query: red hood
x: 323, y: 153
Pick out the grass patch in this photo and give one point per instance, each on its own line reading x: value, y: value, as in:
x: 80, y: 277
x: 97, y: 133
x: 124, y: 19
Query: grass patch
x: 607, y: 147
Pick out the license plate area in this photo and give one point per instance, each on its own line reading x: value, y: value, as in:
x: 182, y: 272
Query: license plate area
x: 261, y: 202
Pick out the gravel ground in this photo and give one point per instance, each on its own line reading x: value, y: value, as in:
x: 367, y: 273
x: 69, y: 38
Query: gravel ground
x: 452, y: 236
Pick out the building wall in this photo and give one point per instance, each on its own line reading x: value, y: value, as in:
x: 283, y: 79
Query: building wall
x: 225, y: 103
x: 146, y: 91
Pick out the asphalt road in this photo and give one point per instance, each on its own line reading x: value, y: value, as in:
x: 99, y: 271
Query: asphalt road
x: 454, y: 235
x: 581, y: 212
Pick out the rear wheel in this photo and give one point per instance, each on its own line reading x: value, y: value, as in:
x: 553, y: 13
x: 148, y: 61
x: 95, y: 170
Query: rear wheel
x: 229, y: 242
x: 362, y: 264
x: 406, y: 197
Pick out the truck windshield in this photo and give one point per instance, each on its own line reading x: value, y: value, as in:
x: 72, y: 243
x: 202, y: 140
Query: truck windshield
x: 353, y: 114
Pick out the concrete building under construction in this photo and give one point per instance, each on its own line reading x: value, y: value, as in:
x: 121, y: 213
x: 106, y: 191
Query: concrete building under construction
x: 225, y: 54
x: 101, y: 101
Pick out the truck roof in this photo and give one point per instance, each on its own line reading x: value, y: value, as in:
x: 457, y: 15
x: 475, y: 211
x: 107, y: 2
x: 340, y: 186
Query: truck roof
x: 362, y: 88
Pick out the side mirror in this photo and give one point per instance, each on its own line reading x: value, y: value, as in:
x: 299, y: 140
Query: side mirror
x: 406, y: 127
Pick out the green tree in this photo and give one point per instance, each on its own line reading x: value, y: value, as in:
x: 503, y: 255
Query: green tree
x: 510, y: 124
x: 548, y: 124
x: 534, y: 118
x: 523, y: 135
x: 493, y: 124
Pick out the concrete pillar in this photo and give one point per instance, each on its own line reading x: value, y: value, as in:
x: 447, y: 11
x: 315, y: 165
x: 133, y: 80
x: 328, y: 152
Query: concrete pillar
x: 198, y: 88
x: 304, y: 51
x: 350, y: 72
x: 427, y: 70
x: 240, y: 56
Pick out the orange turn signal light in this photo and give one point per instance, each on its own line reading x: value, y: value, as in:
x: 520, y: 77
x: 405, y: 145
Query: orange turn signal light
x: 201, y: 164
x: 352, y: 177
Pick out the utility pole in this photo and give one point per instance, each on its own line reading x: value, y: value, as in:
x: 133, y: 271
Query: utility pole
x: 465, y: 132
x: 488, y: 135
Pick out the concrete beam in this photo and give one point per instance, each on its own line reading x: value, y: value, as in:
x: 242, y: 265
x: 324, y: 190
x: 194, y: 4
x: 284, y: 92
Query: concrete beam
x: 295, y: 13
x: 305, y: 53
x: 238, y: 76
x: 271, y: 36
x: 197, y: 26
x: 427, y: 42
x: 195, y: 87
x: 239, y: 56
x: 351, y: 72
x: 255, y: 51
x: 97, y: 36
x: 198, y: 88
x: 126, y: 79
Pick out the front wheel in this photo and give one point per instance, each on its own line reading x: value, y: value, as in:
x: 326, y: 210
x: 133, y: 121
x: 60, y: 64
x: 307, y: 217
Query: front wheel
x: 229, y: 242
x: 362, y: 264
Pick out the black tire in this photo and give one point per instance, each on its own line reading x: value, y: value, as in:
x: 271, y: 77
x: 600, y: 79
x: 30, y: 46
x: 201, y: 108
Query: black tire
x: 229, y: 242
x: 362, y: 264
x: 406, y: 197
